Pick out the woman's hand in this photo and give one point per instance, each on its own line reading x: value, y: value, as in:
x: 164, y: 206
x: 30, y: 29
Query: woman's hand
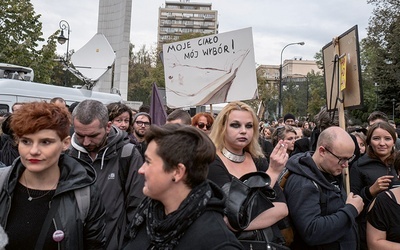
x: 277, y: 161
x: 381, y: 184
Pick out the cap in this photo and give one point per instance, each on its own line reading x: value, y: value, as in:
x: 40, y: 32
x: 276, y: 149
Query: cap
x: 288, y: 116
x: 142, y: 113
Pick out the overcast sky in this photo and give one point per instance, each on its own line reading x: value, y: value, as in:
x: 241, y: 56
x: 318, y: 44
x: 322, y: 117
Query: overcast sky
x: 274, y: 23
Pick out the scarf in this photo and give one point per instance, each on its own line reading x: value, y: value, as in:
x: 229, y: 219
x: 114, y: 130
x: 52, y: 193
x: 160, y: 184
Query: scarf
x: 163, y: 230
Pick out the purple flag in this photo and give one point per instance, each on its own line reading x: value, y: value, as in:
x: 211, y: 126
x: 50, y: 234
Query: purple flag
x: 157, y: 111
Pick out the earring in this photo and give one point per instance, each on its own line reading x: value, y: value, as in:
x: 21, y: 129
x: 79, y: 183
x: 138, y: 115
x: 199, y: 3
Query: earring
x: 173, y: 179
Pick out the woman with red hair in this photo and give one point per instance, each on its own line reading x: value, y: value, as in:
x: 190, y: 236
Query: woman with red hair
x: 39, y: 199
x: 203, y: 121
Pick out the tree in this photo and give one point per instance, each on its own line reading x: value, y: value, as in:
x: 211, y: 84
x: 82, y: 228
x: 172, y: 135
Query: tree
x: 20, y: 31
x: 267, y: 95
x: 316, y: 94
x: 45, y: 63
x: 20, y: 34
x: 382, y: 52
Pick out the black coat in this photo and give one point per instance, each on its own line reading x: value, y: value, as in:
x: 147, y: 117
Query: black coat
x: 74, y: 174
x: 208, y: 232
x: 363, y: 173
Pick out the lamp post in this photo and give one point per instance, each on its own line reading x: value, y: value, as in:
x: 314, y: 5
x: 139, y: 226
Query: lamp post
x: 64, y: 26
x: 376, y: 95
x: 394, y: 103
x: 280, y: 77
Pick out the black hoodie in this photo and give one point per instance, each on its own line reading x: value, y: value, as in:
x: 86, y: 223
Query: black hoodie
x: 120, y: 199
x: 335, y: 230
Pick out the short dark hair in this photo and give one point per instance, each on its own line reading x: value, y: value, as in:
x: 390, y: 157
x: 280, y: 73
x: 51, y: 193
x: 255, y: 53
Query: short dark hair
x: 89, y: 110
x: 377, y: 115
x: 116, y: 109
x: 180, y: 114
x: 186, y: 145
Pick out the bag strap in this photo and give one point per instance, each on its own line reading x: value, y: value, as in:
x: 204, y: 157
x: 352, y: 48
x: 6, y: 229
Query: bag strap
x: 322, y: 200
x: 283, y: 178
x: 82, y: 197
x: 125, y: 157
x: 47, y: 223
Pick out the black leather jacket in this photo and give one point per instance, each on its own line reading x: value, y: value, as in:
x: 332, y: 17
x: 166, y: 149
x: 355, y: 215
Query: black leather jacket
x: 74, y: 174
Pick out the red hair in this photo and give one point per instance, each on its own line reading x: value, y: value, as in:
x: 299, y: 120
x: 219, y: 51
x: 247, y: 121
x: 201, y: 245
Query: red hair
x: 196, y: 118
x: 35, y: 116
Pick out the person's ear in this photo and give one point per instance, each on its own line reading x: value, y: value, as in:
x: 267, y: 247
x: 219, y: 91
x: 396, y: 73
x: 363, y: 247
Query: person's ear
x: 108, y: 127
x: 179, y: 172
x: 66, y: 142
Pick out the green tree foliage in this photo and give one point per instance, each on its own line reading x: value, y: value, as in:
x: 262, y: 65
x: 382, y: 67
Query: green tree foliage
x: 145, y: 68
x: 316, y: 93
x: 267, y: 95
x: 44, y: 63
x: 381, y: 54
x: 20, y: 32
x: 20, y: 35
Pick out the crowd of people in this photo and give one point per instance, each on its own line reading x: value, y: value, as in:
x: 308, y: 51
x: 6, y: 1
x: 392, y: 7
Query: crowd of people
x: 95, y: 176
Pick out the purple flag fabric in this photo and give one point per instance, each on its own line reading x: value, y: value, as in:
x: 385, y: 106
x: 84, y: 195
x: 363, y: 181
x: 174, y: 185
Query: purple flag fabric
x: 157, y: 111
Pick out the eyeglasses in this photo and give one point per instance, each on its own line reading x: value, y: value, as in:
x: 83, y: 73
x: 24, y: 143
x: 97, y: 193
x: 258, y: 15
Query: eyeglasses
x: 341, y: 160
x: 140, y: 123
x: 201, y: 125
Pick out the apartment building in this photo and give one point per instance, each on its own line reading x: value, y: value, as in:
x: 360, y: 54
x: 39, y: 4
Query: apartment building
x: 292, y: 70
x: 181, y: 17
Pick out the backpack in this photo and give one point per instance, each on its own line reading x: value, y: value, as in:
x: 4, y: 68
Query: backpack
x: 82, y: 195
x: 125, y: 156
x: 285, y: 225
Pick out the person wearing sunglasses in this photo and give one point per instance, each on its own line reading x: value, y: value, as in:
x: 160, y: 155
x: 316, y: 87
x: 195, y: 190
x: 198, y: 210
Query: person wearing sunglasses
x: 203, y: 121
x: 374, y: 173
x: 323, y: 215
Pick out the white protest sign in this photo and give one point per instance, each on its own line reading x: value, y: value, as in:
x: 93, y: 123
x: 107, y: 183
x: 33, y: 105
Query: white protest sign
x: 211, y: 69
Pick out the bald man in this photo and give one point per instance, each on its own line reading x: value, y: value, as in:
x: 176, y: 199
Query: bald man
x: 322, y: 214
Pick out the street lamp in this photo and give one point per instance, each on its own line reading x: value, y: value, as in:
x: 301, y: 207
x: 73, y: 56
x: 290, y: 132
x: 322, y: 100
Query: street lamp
x: 280, y: 78
x: 394, y: 103
x: 376, y: 95
x: 64, y: 26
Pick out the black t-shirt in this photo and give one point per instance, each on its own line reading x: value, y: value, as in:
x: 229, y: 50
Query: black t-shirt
x: 26, y: 218
x: 385, y: 216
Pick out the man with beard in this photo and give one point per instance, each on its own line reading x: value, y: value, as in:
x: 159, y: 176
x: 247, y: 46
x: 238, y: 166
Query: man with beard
x: 141, y: 124
x: 116, y: 162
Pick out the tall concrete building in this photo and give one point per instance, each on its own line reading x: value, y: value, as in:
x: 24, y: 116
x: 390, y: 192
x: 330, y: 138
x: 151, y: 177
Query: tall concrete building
x: 115, y: 23
x: 181, y: 17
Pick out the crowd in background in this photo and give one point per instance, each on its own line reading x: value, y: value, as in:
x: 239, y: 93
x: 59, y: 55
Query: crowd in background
x: 167, y: 187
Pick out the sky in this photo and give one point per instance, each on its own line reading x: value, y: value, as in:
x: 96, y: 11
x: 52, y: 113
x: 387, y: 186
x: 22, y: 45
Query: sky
x: 274, y: 23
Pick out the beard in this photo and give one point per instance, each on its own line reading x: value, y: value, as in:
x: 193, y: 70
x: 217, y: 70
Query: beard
x: 139, y: 133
